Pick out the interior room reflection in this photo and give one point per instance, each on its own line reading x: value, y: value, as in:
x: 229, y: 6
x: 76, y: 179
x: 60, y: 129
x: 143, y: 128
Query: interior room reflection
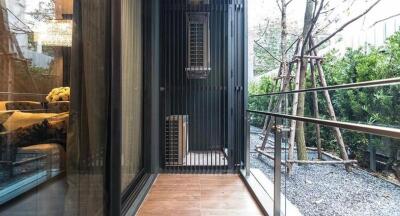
x: 35, y: 41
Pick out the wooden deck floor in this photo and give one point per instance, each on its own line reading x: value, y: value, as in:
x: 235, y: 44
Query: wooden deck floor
x: 202, y: 194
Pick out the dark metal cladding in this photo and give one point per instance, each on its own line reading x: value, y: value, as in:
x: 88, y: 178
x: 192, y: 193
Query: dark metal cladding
x: 213, y: 105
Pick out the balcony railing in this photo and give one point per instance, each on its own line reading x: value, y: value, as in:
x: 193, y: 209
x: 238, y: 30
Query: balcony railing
x: 277, y: 146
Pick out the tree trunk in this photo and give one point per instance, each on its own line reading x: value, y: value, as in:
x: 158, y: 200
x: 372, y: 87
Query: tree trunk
x: 300, y: 138
x: 316, y: 109
x: 294, y: 113
x: 283, y: 74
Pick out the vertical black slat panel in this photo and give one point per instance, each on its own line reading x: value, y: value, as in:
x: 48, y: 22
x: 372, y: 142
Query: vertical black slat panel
x: 218, y: 30
x: 203, y: 105
x: 212, y: 84
x: 240, y: 73
x: 172, y: 82
x: 236, y: 72
x: 188, y: 97
x: 240, y: 105
x: 216, y: 84
x: 243, y: 82
x: 168, y: 85
x: 245, y: 79
x: 230, y: 83
x: 207, y: 112
x: 185, y: 81
x: 214, y: 91
x: 180, y: 63
x: 219, y: 84
x: 220, y: 78
x: 224, y: 73
x: 209, y: 85
x: 234, y: 92
x: 162, y: 85
x: 197, y: 125
x: 167, y: 76
x: 237, y: 67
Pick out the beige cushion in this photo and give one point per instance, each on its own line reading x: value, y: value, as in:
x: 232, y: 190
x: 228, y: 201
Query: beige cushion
x: 21, y: 119
x: 3, y: 105
x: 4, y: 115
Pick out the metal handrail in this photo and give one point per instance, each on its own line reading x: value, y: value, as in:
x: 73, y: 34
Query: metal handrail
x: 371, y: 129
x: 369, y: 84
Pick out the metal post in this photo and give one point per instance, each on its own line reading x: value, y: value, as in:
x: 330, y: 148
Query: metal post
x: 372, y: 155
x: 277, y: 166
x: 247, y: 148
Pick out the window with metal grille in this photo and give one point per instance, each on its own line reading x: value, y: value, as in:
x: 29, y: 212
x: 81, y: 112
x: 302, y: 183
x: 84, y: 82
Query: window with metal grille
x: 198, y: 45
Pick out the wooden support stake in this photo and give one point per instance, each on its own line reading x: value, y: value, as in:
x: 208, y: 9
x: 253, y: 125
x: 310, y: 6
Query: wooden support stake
x: 269, y: 156
x: 316, y: 109
x: 322, y: 162
x: 286, y: 82
x: 332, y: 114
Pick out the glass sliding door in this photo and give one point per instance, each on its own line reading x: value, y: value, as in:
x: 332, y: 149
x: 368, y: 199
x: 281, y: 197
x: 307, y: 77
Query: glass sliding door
x: 54, y: 106
x: 132, y: 149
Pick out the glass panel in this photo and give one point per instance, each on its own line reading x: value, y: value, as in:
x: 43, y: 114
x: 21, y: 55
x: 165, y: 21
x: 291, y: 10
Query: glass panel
x: 315, y: 181
x: 53, y: 107
x: 131, y: 159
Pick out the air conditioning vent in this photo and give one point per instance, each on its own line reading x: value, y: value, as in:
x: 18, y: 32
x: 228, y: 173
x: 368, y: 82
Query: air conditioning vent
x: 176, y: 139
x: 198, y: 58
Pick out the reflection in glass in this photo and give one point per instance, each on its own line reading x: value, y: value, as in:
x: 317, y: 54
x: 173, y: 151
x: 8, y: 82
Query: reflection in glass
x: 131, y: 158
x: 34, y: 105
x: 53, y: 106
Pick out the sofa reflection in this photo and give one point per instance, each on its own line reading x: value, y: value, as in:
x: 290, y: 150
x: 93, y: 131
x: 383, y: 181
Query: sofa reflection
x: 32, y: 144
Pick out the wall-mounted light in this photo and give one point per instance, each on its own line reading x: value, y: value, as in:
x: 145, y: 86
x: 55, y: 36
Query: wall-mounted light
x: 54, y: 33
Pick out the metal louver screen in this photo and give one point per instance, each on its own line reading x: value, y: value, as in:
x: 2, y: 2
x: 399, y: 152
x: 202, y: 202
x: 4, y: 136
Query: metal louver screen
x: 196, y: 44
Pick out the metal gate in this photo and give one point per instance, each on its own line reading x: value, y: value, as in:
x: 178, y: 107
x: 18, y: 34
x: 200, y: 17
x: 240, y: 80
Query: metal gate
x: 201, y: 85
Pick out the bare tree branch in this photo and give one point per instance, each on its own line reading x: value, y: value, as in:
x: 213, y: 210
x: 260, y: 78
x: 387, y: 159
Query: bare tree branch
x: 389, y: 17
x: 287, y: 3
x: 343, y: 26
x: 291, y: 45
x: 279, y: 6
x: 266, y: 50
x: 313, y: 22
x: 265, y: 30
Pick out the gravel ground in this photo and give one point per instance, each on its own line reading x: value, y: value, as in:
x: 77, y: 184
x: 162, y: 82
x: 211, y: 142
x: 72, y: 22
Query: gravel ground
x: 330, y: 190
